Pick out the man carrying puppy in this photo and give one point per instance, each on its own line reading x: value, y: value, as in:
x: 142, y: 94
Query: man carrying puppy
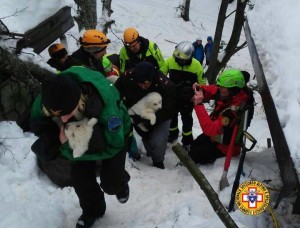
x: 136, y: 84
x: 71, y: 96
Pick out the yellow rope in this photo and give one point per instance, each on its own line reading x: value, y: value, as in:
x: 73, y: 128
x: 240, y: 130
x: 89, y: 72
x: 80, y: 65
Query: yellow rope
x: 273, y: 216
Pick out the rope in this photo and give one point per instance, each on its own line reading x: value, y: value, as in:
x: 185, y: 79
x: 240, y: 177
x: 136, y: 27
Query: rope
x: 273, y: 216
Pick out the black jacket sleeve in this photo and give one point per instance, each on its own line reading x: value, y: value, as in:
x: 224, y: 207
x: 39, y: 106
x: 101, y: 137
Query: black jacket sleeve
x: 168, y: 93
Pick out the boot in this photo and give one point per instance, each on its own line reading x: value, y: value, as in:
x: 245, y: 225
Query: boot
x: 123, y: 196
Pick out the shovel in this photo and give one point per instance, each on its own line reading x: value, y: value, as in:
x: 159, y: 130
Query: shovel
x: 240, y: 167
x: 224, y: 181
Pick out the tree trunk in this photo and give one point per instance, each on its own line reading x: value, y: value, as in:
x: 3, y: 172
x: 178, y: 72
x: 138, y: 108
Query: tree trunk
x: 87, y: 10
x: 185, y: 14
x: 212, y: 196
x: 215, y: 65
x: 105, y: 21
x: 19, y: 83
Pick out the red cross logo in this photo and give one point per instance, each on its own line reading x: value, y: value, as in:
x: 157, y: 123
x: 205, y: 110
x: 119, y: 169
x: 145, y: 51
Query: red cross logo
x: 252, y: 197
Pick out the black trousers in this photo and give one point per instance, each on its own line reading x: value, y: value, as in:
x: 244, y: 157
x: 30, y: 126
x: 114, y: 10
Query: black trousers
x: 187, y: 124
x: 203, y: 151
x: 113, y: 177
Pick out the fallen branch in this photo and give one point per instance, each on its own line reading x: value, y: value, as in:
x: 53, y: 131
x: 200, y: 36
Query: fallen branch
x: 204, y: 185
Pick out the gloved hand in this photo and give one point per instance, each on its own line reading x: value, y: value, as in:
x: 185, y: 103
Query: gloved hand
x: 136, y: 119
x: 46, y: 148
x: 147, y: 124
x: 135, y: 155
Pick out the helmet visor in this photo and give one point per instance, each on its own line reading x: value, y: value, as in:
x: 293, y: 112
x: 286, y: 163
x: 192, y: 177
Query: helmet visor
x: 179, y: 55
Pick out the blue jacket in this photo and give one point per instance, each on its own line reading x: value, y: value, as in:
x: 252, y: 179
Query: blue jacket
x: 199, y: 52
x: 208, y: 48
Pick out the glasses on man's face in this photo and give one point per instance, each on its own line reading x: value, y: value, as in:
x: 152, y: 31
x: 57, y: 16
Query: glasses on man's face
x: 99, y: 50
x: 132, y: 45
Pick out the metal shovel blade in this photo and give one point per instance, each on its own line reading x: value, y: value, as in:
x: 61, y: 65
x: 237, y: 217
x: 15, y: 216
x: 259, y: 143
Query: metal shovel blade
x: 224, y: 181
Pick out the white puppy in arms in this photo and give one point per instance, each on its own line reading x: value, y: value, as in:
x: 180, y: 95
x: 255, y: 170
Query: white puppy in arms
x: 146, y: 108
x: 79, y: 134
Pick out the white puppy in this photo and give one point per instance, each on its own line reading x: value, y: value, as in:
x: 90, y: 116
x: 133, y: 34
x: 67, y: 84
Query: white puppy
x: 79, y: 134
x: 146, y: 108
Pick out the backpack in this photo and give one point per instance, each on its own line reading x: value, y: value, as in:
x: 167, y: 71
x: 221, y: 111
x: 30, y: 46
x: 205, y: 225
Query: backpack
x: 251, y: 102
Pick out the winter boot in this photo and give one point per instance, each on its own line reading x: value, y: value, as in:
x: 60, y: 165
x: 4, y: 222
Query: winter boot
x: 187, y: 141
x: 123, y: 196
x: 159, y: 165
x: 85, y: 221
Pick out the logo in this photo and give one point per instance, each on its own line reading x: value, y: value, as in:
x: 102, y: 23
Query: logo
x: 252, y: 197
x: 114, y: 124
x: 55, y: 113
x: 225, y: 121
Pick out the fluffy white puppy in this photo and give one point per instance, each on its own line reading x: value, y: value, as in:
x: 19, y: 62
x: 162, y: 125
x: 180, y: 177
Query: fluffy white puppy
x: 146, y: 108
x: 79, y: 134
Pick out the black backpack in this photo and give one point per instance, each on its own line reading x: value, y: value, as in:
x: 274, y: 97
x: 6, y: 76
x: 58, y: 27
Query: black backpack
x: 251, y: 102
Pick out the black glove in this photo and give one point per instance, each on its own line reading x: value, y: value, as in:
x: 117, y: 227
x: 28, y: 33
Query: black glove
x: 46, y: 148
x: 136, y: 119
x: 147, y: 124
x: 97, y: 141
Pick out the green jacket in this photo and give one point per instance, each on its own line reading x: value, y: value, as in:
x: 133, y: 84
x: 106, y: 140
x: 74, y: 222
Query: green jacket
x: 188, y: 74
x: 149, y: 52
x: 114, y: 117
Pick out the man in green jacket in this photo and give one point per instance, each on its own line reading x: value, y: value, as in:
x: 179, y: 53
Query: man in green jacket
x: 72, y: 95
x: 138, y: 49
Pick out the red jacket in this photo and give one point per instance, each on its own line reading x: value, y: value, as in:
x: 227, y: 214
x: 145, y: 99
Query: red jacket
x: 220, y: 123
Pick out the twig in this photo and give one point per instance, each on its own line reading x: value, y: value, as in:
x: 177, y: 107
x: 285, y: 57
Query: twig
x: 15, y: 13
x: 170, y: 41
x: 12, y: 154
x: 157, y: 35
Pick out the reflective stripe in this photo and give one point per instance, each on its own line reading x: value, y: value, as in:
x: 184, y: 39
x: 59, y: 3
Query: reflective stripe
x: 173, y: 129
x: 187, y: 133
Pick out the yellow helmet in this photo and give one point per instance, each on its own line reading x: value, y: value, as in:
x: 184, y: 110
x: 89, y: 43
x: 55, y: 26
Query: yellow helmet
x: 55, y: 48
x: 94, y: 38
x: 130, y: 35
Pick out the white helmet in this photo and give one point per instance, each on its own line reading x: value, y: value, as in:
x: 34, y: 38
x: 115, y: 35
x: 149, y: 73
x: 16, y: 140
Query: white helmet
x: 184, y: 50
x: 199, y: 38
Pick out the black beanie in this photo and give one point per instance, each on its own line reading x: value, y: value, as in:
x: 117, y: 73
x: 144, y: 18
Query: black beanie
x: 143, y: 72
x: 246, y: 75
x: 60, y: 95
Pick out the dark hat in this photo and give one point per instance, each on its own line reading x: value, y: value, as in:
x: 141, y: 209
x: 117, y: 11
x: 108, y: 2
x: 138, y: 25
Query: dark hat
x: 246, y: 75
x: 143, y: 72
x: 60, y: 95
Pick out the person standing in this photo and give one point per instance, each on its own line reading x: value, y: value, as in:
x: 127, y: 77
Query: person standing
x: 183, y: 70
x: 72, y: 95
x: 138, y: 49
x: 230, y: 98
x: 208, y: 49
x: 93, y: 44
x: 199, y: 50
x: 136, y: 84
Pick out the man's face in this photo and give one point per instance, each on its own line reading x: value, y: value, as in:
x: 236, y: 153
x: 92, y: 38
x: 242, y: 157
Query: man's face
x: 63, y: 59
x: 199, y: 42
x: 144, y: 85
x: 224, y: 93
x: 100, y: 54
x: 134, y: 47
x: 65, y: 118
